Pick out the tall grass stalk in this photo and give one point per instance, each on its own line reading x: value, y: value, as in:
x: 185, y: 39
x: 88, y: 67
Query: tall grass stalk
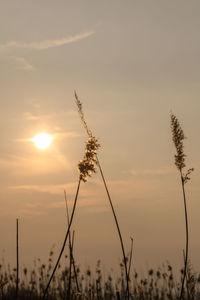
x: 187, y: 235
x: 65, y: 240
x: 89, y: 132
x: 178, y: 137
x: 71, y: 242
x: 130, y: 259
x: 70, y: 250
x: 73, y: 263
x: 17, y: 258
x: 71, y: 257
x: 86, y: 167
x: 118, y: 228
x: 187, y: 279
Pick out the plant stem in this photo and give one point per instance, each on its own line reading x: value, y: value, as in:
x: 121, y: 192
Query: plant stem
x: 118, y: 229
x: 187, y: 236
x: 70, y: 252
x: 130, y: 260
x: 65, y: 240
x: 72, y: 261
x: 70, y: 265
x: 186, y: 278
x: 17, y: 258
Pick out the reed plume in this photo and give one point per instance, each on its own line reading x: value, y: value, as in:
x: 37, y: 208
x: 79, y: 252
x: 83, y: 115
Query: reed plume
x: 178, y: 137
x: 89, y: 168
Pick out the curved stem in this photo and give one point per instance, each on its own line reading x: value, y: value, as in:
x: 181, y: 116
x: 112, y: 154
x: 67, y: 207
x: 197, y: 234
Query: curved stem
x: 117, y: 225
x: 130, y: 260
x: 65, y: 240
x: 187, y: 236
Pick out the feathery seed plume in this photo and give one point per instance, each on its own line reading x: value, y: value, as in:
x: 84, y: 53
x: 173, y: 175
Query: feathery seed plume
x: 88, y: 165
x: 178, y: 137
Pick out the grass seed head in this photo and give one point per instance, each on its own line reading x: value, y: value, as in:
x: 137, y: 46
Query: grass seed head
x: 178, y: 137
x: 87, y: 166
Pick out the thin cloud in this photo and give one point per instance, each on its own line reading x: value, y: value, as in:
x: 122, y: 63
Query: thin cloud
x: 52, y: 163
x: 50, y: 189
x: 160, y: 171
x: 46, y: 44
x: 29, y: 212
x: 22, y: 63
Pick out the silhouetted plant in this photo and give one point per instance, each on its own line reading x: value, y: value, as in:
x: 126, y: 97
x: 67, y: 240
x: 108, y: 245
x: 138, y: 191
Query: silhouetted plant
x: 90, y: 168
x: 87, y: 166
x: 158, y: 284
x: 178, y: 137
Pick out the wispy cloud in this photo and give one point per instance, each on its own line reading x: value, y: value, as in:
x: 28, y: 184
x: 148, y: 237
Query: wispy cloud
x: 159, y: 171
x: 53, y: 162
x: 51, y: 189
x: 45, y: 44
x: 22, y: 63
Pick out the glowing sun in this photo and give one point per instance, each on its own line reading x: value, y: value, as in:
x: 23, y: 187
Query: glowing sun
x: 42, y: 140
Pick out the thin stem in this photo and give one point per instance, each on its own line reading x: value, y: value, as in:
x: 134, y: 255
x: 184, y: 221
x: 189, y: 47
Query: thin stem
x: 130, y: 261
x: 187, y: 235
x: 188, y: 293
x: 74, y: 265
x: 71, y: 243
x: 117, y: 225
x: 72, y: 261
x: 70, y: 250
x: 65, y: 240
x: 17, y: 258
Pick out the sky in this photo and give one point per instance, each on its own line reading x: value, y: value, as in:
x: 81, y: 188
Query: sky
x: 131, y: 63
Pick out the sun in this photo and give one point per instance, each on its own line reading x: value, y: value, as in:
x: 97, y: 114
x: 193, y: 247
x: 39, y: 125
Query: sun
x: 42, y: 140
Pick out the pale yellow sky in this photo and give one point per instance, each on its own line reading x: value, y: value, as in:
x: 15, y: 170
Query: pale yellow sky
x: 131, y: 62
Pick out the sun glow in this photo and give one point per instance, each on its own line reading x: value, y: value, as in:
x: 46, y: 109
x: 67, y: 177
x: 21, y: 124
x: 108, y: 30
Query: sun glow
x: 42, y: 140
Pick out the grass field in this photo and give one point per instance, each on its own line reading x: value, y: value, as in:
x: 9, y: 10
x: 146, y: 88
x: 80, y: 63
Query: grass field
x: 94, y: 284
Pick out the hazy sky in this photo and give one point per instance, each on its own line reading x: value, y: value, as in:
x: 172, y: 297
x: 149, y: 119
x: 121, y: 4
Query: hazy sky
x: 131, y: 62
